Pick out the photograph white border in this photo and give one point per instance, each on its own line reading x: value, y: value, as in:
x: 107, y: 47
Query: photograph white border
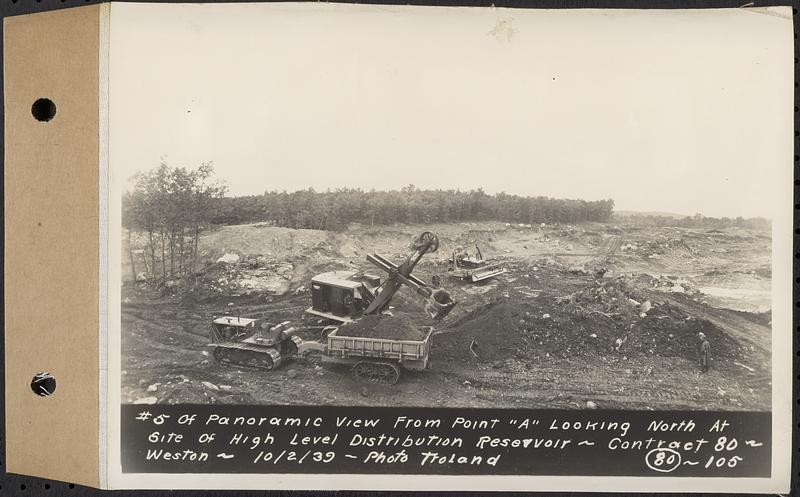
x: 782, y: 357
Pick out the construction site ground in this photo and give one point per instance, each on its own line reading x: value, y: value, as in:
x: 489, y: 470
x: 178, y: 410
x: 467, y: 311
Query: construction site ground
x: 587, y: 316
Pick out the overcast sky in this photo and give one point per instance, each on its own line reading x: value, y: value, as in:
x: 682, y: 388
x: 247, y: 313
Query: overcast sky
x: 662, y: 110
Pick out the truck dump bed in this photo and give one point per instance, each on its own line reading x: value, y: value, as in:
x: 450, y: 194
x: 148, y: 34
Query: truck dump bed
x: 411, y: 354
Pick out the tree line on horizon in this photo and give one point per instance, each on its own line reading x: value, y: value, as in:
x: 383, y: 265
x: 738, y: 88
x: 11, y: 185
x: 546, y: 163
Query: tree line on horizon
x: 696, y: 221
x: 336, y: 209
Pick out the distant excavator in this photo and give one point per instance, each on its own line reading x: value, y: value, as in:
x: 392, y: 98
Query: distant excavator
x: 472, y: 268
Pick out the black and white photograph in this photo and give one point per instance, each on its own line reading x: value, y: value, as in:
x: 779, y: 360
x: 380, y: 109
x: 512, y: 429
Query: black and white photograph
x: 417, y: 296
x: 447, y: 207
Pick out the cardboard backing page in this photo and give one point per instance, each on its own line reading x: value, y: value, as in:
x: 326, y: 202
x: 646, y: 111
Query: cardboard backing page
x: 74, y: 309
x: 52, y: 244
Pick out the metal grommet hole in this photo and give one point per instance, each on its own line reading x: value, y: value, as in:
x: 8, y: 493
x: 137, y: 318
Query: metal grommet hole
x: 43, y: 384
x: 43, y: 110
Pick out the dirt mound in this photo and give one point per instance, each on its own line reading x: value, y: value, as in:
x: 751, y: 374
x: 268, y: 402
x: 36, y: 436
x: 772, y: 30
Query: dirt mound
x: 540, y: 328
x: 495, y: 328
x: 670, y: 332
x: 607, y: 319
x: 604, y: 299
x: 390, y: 327
x: 599, y: 321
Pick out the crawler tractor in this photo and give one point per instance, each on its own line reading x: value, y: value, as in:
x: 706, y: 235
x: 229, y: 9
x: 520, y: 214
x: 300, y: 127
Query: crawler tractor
x: 252, y: 343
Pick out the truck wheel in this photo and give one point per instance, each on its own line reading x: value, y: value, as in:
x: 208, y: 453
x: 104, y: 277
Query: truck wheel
x: 381, y: 373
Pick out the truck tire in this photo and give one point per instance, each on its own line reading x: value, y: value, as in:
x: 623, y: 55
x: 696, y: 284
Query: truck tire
x: 380, y: 373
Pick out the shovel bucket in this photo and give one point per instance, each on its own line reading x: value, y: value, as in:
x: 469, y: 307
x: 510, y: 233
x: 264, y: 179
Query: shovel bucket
x: 439, y: 304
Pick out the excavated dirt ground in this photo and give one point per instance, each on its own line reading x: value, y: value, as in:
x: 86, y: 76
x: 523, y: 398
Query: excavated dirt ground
x: 595, y: 313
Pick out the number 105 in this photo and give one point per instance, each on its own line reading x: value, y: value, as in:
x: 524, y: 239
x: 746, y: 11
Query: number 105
x: 719, y: 462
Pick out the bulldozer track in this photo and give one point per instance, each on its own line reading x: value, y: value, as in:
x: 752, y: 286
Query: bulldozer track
x: 248, y: 355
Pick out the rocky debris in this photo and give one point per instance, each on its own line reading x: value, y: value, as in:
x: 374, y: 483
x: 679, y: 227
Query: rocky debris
x: 254, y: 276
x: 607, y: 300
x: 153, y: 387
x: 146, y: 400
x: 210, y: 385
x: 578, y: 269
x: 666, y: 283
x: 591, y: 404
x: 230, y: 258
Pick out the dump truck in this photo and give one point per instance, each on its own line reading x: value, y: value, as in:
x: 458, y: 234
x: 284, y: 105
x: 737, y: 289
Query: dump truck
x: 373, y: 360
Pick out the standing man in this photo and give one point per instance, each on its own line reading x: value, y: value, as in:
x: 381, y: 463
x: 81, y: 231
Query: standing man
x: 704, y: 352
